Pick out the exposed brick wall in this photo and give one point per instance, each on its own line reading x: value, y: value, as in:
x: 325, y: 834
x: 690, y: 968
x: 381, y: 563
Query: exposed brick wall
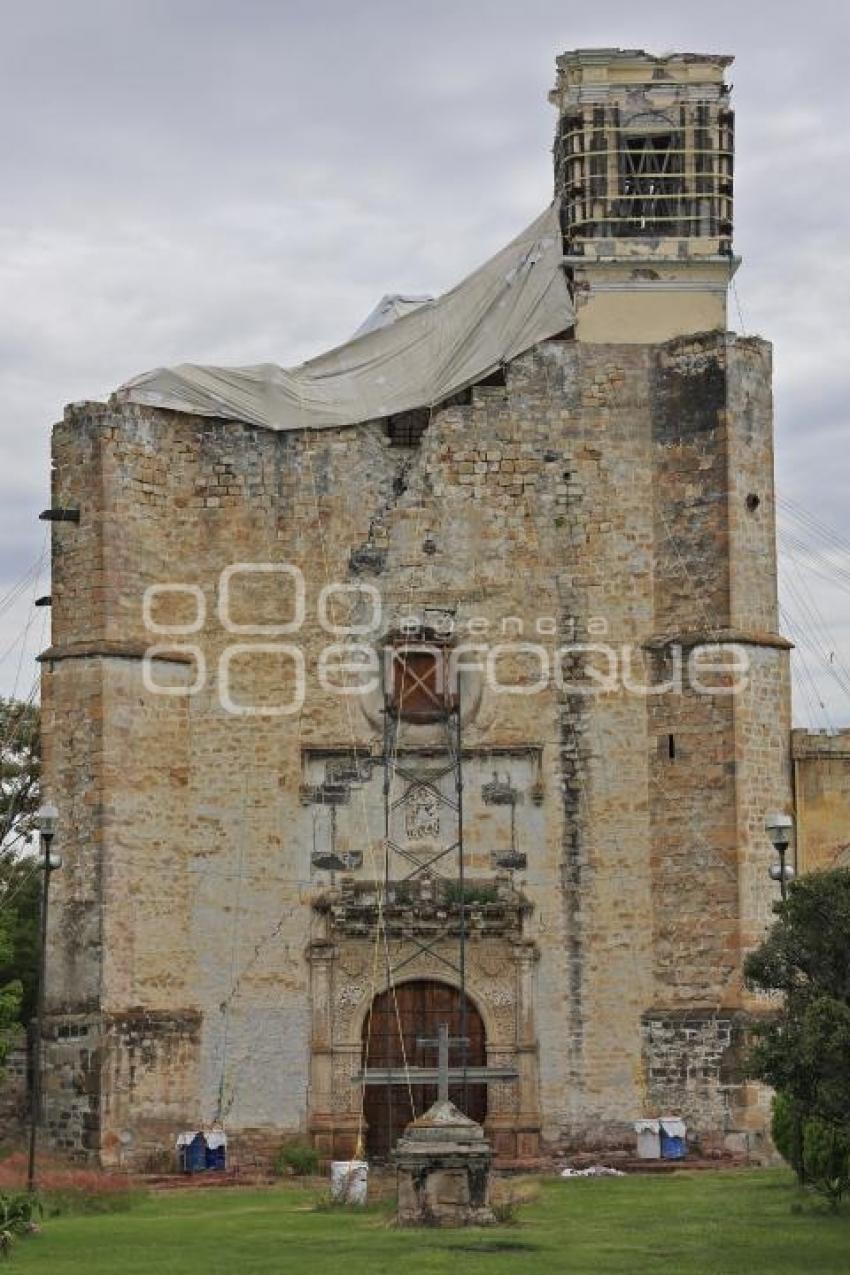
x: 73, y: 1062
x: 692, y: 1060
x: 14, y: 1097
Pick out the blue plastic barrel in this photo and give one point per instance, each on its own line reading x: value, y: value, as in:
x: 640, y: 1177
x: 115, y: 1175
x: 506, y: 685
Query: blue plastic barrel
x: 194, y: 1156
x: 674, y: 1145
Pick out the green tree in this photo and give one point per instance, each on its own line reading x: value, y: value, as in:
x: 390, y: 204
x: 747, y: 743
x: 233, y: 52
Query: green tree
x: 802, y: 1050
x: 20, y: 771
x: 20, y: 775
x: 11, y: 994
x: 20, y: 902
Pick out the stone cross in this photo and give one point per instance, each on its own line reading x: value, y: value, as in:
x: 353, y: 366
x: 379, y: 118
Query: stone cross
x: 442, y: 1042
x: 442, y: 1075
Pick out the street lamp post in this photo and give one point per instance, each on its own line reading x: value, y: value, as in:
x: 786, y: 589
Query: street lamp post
x: 46, y: 821
x: 778, y: 827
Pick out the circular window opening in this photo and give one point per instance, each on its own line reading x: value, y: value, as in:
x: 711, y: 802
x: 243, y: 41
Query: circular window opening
x: 753, y: 502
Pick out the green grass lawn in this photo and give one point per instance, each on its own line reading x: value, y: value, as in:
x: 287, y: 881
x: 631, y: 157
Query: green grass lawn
x: 687, y: 1224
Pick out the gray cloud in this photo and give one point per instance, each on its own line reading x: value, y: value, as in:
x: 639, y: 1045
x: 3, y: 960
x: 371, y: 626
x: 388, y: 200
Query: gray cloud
x: 241, y: 181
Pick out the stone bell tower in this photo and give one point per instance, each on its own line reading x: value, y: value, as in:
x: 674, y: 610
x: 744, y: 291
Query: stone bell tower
x: 644, y: 156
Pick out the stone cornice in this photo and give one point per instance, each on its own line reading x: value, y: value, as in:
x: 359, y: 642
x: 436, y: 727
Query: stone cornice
x: 110, y: 649
x: 718, y: 637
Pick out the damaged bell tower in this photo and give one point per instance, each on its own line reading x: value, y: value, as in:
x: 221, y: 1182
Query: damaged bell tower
x: 644, y: 157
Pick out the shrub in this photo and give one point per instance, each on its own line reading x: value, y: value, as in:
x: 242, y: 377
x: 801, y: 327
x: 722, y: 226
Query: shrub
x: 821, y: 1157
x: 297, y: 1159
x: 17, y: 1218
x: 507, y: 1198
x: 505, y: 1212
x: 782, y: 1129
x: 826, y: 1158
x: 470, y: 894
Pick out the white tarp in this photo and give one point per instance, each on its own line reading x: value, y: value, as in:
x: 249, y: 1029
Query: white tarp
x: 391, y: 307
x: 518, y: 298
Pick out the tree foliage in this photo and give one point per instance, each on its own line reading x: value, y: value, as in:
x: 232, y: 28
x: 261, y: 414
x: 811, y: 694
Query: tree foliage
x: 20, y: 770
x: 803, y: 1050
x: 11, y: 995
x: 20, y: 780
x: 20, y: 889
x: 18, y: 1213
x: 818, y: 1150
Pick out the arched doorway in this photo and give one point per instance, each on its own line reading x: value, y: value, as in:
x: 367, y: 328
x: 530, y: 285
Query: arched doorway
x: 419, y: 1008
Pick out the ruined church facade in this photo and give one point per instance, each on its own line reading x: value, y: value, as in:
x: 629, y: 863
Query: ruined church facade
x: 261, y: 872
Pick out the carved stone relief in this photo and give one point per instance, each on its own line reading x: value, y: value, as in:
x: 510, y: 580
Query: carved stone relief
x: 422, y: 816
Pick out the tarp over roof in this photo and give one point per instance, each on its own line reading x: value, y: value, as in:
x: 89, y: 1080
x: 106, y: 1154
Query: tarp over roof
x: 518, y: 298
x: 391, y: 307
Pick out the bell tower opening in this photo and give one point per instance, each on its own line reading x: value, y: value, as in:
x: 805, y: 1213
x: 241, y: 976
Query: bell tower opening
x: 649, y: 182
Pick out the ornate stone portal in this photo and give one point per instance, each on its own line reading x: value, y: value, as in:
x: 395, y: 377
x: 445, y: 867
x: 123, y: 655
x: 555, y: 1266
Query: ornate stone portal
x: 499, y: 981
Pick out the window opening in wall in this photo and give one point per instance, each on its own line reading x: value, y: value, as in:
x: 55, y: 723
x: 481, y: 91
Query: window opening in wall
x: 494, y: 379
x: 671, y: 747
x: 419, y: 689
x: 405, y: 429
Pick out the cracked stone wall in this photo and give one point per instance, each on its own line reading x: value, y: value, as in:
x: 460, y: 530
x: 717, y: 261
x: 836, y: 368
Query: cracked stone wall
x: 600, y: 497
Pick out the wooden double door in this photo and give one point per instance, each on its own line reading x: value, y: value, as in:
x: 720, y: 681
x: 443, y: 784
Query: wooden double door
x: 415, y: 1012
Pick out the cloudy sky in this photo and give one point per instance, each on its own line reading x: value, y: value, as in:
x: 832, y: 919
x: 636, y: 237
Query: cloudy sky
x: 228, y: 182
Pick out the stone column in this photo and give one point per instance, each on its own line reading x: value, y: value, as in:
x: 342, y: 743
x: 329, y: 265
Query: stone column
x: 321, y: 955
x: 528, y: 1121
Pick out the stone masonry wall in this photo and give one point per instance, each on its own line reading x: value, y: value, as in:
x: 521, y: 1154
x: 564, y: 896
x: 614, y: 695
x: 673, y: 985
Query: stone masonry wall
x: 589, y: 499
x: 14, y: 1098
x: 717, y: 759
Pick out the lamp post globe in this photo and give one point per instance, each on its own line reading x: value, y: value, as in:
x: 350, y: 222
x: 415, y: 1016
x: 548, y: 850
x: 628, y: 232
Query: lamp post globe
x: 46, y: 820
x: 776, y: 872
x: 779, y: 828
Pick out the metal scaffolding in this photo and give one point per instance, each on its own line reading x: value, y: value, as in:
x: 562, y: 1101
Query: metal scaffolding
x: 418, y: 689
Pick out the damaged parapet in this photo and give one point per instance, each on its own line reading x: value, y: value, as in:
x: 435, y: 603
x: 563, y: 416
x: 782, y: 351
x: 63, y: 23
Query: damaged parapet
x: 432, y: 908
x: 443, y: 1164
x: 644, y: 159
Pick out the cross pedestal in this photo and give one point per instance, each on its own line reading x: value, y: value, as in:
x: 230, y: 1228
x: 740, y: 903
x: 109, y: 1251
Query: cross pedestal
x: 443, y: 1160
